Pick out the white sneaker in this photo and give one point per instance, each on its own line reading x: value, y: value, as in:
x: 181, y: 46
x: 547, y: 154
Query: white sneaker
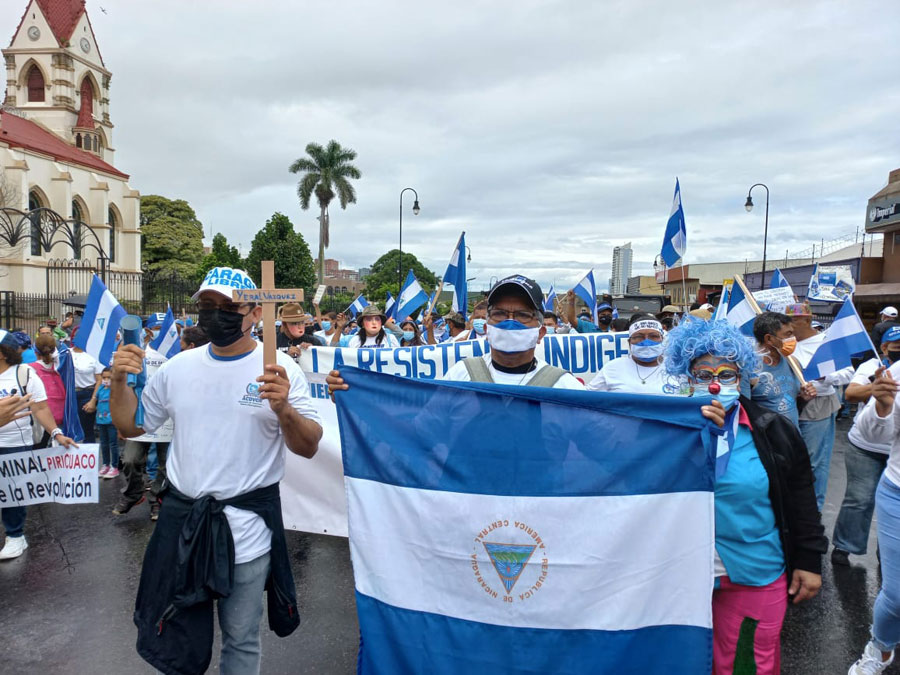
x: 870, y: 662
x: 13, y: 548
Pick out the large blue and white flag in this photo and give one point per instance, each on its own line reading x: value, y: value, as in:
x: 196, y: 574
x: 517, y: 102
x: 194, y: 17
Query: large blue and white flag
x: 845, y: 338
x: 481, y: 553
x: 390, y: 306
x: 71, y: 425
x: 675, y: 239
x: 358, y: 305
x: 167, y: 342
x: 740, y: 310
x: 411, y: 297
x: 550, y: 302
x: 456, y: 276
x: 587, y: 291
x: 102, y: 315
x: 778, y: 280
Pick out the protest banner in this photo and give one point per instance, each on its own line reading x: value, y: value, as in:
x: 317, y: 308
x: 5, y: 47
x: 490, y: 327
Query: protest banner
x: 55, y: 474
x: 775, y: 299
x: 831, y: 284
x: 312, y: 491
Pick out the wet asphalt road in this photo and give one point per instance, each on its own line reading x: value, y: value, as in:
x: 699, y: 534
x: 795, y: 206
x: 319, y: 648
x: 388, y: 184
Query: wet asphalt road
x: 65, y: 606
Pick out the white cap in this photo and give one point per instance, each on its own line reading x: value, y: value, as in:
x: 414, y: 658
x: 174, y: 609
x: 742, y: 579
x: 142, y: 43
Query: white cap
x: 890, y: 311
x: 708, y: 306
x: 224, y: 280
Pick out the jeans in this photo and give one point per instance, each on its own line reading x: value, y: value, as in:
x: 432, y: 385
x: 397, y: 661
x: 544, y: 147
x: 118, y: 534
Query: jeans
x: 134, y: 457
x: 819, y: 438
x: 886, y: 614
x: 152, y: 462
x: 239, y: 617
x: 864, y: 468
x: 13, y: 516
x: 86, y: 419
x: 109, y: 445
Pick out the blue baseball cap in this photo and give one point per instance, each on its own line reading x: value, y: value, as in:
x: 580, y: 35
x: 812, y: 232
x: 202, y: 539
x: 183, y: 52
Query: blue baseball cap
x: 603, y: 306
x: 155, y: 320
x: 892, y: 335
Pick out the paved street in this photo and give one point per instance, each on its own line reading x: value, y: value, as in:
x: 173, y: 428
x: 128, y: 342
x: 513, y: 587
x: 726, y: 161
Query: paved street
x: 66, y: 605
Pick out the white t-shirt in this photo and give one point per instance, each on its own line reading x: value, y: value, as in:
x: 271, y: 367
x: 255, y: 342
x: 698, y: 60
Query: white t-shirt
x: 227, y: 440
x: 884, y: 430
x: 324, y: 336
x: 458, y: 373
x: 153, y: 361
x: 18, y: 432
x: 624, y: 374
x: 86, y: 369
x: 861, y: 376
x: 462, y: 337
x: 352, y: 341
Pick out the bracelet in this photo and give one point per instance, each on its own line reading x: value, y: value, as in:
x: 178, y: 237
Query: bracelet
x: 56, y: 432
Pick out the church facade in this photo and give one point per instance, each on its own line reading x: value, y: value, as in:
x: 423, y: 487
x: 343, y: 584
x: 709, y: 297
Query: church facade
x: 56, y: 147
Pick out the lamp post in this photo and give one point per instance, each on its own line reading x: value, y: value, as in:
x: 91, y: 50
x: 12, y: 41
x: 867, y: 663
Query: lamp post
x: 749, y: 207
x: 468, y: 254
x: 415, y: 210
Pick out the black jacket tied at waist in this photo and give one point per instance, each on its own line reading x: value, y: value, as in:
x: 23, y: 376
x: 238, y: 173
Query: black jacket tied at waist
x: 189, y: 562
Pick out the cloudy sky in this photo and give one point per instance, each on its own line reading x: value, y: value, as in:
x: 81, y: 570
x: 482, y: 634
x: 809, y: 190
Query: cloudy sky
x: 548, y: 131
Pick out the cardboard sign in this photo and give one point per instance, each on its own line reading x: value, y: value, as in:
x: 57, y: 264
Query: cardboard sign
x: 774, y: 299
x: 831, y: 284
x: 320, y: 293
x: 55, y: 474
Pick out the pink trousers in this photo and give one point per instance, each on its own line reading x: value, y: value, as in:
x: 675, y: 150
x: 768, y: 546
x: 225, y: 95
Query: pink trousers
x: 747, y: 627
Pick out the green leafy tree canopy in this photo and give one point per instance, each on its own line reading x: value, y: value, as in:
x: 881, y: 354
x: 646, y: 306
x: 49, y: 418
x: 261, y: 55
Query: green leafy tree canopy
x: 384, y: 276
x: 277, y: 241
x: 171, y: 236
x: 221, y: 255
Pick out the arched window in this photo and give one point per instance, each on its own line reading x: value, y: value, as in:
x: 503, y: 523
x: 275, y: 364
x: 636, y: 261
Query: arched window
x: 34, y: 203
x: 35, y: 85
x: 77, y: 140
x: 78, y: 217
x: 113, y: 226
x: 86, y: 114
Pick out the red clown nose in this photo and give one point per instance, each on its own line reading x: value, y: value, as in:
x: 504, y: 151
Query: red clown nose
x: 714, y: 388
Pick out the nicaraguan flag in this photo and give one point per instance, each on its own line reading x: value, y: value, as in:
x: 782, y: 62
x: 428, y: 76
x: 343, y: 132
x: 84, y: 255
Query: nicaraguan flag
x: 411, y: 297
x: 740, y: 310
x: 587, y: 291
x: 167, y: 342
x: 778, y: 280
x: 456, y: 276
x: 845, y: 338
x: 726, y: 438
x: 480, y: 553
x: 615, y: 314
x: 357, y: 306
x: 100, y: 323
x: 675, y: 239
x: 550, y: 302
x: 389, y: 306
x: 722, y: 307
x: 71, y: 425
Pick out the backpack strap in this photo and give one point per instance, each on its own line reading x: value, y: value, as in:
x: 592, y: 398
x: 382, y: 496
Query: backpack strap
x: 547, y: 376
x: 477, y: 369
x: 22, y: 390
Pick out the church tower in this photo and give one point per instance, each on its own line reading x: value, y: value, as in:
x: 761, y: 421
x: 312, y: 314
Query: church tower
x: 55, y: 75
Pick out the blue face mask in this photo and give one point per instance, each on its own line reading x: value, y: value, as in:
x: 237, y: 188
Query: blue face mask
x: 550, y: 329
x: 326, y: 325
x: 647, y: 350
x: 408, y: 335
x: 727, y: 396
x: 479, y: 325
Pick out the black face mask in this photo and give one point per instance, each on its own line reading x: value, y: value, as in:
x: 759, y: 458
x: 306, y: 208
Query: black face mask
x: 604, y: 319
x: 224, y: 328
x: 893, y: 356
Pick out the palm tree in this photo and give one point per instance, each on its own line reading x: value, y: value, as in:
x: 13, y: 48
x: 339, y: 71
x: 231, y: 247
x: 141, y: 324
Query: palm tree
x: 326, y: 171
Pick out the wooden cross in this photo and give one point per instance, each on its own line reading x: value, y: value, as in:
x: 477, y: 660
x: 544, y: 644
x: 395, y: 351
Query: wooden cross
x: 268, y: 296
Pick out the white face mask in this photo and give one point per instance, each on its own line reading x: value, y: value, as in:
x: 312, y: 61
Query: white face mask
x: 647, y: 350
x: 512, y: 336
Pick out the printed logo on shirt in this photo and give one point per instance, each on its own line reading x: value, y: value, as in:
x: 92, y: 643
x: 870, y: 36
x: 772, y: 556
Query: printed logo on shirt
x: 251, y: 396
x: 510, y: 555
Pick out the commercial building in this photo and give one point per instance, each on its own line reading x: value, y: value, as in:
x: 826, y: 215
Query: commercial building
x: 621, y: 269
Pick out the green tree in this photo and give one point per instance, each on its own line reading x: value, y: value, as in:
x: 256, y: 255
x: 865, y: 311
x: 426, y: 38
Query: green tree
x: 326, y: 173
x: 383, y: 278
x: 293, y: 263
x: 171, y: 236
x: 221, y: 255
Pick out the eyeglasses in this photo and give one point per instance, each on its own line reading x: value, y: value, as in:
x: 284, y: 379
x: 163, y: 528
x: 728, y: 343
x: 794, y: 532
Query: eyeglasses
x: 204, y: 305
x: 724, y: 374
x: 520, y: 315
x: 640, y: 337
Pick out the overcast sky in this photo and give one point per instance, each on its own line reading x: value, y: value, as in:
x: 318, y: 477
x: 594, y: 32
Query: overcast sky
x: 548, y: 131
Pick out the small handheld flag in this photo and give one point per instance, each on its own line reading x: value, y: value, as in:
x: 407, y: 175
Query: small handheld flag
x: 587, y: 291
x: 167, y: 342
x: 846, y: 337
x: 357, y: 306
x: 102, y: 313
x: 675, y: 239
x: 778, y: 280
x: 740, y: 310
x: 456, y: 276
x: 550, y: 302
x: 390, y: 306
x: 411, y: 297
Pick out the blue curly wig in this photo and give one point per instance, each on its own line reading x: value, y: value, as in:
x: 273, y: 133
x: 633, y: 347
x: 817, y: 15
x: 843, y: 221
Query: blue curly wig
x: 695, y: 338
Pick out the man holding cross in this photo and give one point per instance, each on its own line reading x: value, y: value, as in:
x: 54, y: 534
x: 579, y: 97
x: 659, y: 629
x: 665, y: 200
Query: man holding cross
x: 220, y: 535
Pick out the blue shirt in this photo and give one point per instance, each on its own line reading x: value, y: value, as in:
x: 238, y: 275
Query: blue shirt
x: 103, y: 414
x: 29, y: 356
x: 747, y: 539
x: 777, y: 390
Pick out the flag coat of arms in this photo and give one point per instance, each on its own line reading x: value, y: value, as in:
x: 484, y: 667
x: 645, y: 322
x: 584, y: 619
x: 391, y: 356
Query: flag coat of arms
x: 102, y: 315
x: 533, y: 550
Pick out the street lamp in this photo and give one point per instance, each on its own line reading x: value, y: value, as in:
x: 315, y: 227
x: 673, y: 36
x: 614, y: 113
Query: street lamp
x: 749, y: 206
x: 415, y: 210
x: 468, y: 254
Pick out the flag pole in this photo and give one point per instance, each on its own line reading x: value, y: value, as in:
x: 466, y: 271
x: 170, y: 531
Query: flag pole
x: 792, y: 361
x: 684, y: 286
x: 436, y: 296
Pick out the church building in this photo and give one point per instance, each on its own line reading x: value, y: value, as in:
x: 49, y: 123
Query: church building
x: 56, y: 148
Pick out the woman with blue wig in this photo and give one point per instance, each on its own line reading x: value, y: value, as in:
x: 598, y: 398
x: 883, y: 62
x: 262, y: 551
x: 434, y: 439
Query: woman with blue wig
x: 769, y: 538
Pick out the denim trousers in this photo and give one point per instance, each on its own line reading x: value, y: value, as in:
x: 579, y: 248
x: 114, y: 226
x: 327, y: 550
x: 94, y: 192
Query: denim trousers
x: 886, y: 614
x: 109, y: 445
x: 13, y: 517
x: 239, y: 617
x: 819, y: 438
x: 864, y: 469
